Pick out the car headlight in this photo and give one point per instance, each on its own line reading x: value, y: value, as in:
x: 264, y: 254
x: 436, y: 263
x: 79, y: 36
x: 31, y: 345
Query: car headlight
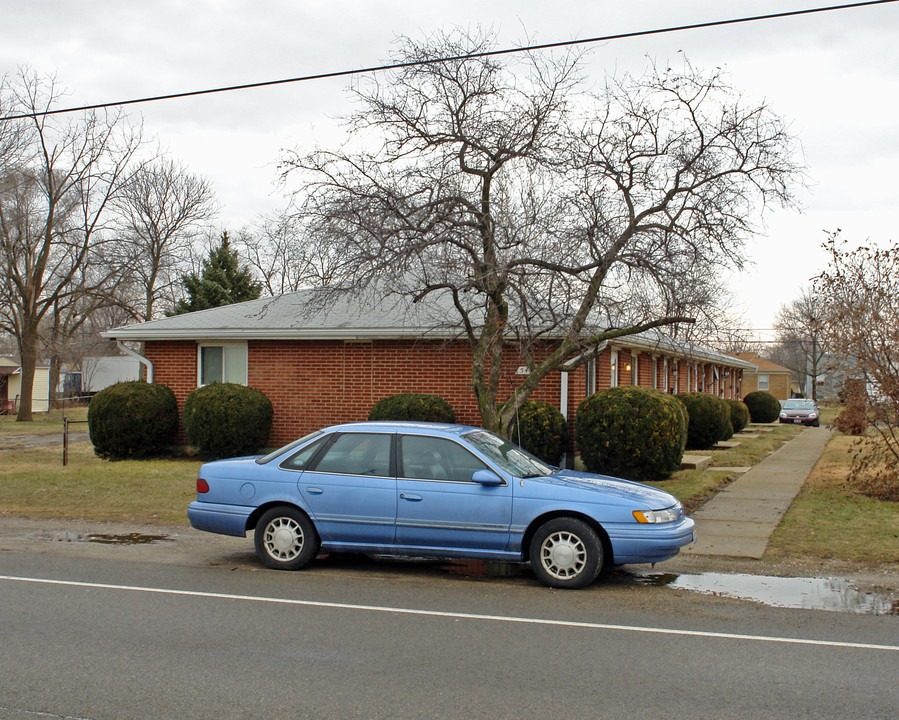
x: 658, y: 516
x: 783, y: 413
x: 812, y: 416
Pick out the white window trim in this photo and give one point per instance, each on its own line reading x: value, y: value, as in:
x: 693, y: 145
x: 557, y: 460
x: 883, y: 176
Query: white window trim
x: 613, y: 381
x: 223, y: 345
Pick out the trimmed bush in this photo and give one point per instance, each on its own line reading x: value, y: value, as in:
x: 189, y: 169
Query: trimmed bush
x: 709, y: 419
x: 227, y: 419
x: 763, y: 406
x: 132, y: 420
x: 413, y: 406
x: 632, y: 432
x: 541, y: 430
x: 739, y: 414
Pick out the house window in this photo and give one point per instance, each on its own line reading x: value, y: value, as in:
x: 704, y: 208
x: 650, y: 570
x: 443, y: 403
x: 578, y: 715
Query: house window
x: 614, y: 379
x: 763, y: 382
x: 591, y: 377
x: 226, y: 362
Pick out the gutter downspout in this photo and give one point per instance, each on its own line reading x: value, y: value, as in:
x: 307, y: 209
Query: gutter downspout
x: 137, y: 356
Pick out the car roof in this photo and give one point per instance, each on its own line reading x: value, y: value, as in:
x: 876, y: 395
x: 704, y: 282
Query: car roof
x: 405, y: 426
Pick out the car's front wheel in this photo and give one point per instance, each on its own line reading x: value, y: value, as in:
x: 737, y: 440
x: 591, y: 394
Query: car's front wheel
x: 566, y: 553
x: 285, y: 539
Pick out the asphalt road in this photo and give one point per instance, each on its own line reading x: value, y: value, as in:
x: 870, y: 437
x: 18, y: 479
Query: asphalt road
x: 91, y: 631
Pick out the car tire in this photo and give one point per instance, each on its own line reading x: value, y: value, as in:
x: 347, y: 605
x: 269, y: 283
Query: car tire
x: 566, y: 553
x: 285, y: 539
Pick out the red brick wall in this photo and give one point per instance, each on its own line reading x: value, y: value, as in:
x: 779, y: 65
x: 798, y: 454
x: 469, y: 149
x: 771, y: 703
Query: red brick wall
x: 316, y: 383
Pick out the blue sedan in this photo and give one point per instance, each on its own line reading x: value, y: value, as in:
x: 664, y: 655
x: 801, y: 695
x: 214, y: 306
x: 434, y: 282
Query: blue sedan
x: 428, y: 489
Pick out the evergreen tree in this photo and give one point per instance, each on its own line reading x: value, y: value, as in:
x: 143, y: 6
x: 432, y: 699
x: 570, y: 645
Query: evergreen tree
x: 222, y: 282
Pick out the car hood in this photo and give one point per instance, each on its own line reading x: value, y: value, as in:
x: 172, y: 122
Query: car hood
x: 626, y: 490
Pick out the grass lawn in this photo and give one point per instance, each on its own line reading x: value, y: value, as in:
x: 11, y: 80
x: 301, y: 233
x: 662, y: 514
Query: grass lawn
x: 828, y: 520
x: 33, y: 483
x: 48, y: 423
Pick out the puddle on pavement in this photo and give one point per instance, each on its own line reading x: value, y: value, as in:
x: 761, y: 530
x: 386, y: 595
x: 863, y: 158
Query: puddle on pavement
x: 830, y: 594
x: 105, y: 539
x: 127, y: 539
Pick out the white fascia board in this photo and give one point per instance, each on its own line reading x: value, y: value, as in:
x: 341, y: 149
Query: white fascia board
x: 270, y: 334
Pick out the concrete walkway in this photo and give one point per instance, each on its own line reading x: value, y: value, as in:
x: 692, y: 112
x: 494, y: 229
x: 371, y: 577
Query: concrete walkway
x: 739, y: 521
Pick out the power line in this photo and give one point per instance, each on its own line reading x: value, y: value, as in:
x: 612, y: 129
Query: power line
x: 471, y: 56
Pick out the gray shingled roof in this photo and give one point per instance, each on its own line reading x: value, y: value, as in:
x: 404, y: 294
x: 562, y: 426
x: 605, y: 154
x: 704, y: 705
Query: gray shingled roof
x: 321, y: 315
x: 304, y: 315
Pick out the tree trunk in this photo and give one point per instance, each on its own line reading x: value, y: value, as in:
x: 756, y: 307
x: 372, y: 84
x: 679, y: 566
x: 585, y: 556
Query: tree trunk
x: 28, y: 356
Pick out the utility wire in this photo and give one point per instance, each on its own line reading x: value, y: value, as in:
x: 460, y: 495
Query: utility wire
x: 489, y: 53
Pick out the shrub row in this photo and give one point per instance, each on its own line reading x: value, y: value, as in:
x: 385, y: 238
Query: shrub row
x: 138, y: 419
x: 631, y: 432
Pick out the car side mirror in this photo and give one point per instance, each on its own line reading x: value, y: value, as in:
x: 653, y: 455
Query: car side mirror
x: 486, y: 477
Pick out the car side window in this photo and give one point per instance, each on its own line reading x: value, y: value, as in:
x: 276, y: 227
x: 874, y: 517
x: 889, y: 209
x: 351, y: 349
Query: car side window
x: 357, y: 454
x: 432, y: 458
x: 299, y: 460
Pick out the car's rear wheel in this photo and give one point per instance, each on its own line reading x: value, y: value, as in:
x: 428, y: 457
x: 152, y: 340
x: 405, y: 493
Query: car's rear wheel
x: 566, y: 553
x: 285, y: 539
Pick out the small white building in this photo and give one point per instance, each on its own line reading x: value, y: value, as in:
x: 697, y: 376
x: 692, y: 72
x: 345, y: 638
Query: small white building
x: 99, y: 372
x: 11, y: 386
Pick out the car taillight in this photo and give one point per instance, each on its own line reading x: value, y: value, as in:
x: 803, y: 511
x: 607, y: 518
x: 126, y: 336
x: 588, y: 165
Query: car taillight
x: 202, y: 485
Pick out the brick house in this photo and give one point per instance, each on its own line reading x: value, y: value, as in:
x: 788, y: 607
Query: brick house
x: 767, y: 375
x: 331, y: 364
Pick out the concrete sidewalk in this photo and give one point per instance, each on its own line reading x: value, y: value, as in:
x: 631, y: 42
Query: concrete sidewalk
x: 739, y: 521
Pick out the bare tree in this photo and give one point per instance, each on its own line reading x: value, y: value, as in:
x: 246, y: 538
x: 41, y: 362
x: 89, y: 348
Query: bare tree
x: 282, y: 257
x: 54, y: 197
x: 860, y: 321
x: 161, y: 209
x: 544, y: 212
x: 800, y: 344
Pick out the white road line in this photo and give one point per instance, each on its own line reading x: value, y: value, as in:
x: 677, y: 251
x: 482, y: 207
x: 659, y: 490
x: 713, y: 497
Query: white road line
x: 454, y: 615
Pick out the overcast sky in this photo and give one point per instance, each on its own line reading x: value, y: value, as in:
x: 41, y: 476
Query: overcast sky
x: 834, y: 75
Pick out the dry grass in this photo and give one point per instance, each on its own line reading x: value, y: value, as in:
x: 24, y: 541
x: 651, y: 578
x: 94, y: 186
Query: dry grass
x: 830, y: 520
x: 33, y: 483
x: 49, y: 423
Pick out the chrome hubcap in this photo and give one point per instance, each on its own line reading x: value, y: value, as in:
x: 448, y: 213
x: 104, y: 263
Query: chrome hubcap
x: 563, y: 555
x: 283, y: 538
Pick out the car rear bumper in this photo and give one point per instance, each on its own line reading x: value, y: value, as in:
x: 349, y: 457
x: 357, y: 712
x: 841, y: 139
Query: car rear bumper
x: 221, y: 519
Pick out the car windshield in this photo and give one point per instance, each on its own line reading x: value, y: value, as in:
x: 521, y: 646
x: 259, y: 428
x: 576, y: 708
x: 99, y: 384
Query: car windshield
x: 290, y: 446
x: 799, y: 405
x: 509, y: 457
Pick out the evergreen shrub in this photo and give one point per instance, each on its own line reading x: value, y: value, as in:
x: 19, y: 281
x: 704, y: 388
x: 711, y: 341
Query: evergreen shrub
x: 709, y: 419
x: 632, y: 432
x: 413, y: 406
x: 541, y: 430
x: 132, y: 420
x: 227, y: 419
x: 739, y: 414
x: 763, y: 406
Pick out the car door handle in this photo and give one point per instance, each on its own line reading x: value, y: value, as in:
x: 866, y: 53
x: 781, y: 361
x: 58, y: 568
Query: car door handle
x: 314, y: 490
x: 414, y: 498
